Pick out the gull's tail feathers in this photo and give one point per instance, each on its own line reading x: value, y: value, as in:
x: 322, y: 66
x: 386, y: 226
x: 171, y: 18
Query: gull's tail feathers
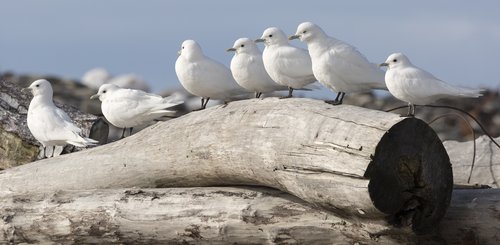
x: 171, y: 101
x: 83, y: 142
x: 463, y: 92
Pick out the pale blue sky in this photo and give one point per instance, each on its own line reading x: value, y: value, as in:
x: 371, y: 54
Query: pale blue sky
x: 458, y: 41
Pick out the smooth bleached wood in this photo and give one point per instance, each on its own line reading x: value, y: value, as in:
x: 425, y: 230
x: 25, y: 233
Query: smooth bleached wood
x: 222, y: 215
x: 347, y: 159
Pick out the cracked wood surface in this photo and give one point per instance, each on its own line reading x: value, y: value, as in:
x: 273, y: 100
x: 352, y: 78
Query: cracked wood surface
x: 221, y: 215
x: 305, y: 147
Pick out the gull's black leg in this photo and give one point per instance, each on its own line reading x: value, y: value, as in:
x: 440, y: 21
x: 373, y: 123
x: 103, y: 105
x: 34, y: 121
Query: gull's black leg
x: 258, y: 94
x: 123, y: 133
x: 342, y: 98
x: 336, y: 101
x: 290, y: 91
x: 411, y: 110
x: 206, y: 102
x: 130, y: 131
x: 203, y: 104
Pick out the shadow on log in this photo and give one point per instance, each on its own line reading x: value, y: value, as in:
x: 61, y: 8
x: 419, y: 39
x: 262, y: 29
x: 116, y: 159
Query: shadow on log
x: 350, y: 160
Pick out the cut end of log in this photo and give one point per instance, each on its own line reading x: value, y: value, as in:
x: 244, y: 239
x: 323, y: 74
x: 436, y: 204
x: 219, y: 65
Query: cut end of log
x: 410, y: 175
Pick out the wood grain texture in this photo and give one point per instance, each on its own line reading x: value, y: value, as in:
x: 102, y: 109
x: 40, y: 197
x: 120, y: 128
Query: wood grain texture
x: 222, y: 215
x: 315, y: 151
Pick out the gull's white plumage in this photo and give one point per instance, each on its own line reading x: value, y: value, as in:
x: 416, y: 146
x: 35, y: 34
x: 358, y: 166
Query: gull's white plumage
x: 131, y: 81
x: 127, y: 108
x: 202, y: 76
x: 416, y: 86
x: 50, y: 125
x: 248, y: 69
x: 286, y: 65
x: 338, y: 65
x: 95, y: 77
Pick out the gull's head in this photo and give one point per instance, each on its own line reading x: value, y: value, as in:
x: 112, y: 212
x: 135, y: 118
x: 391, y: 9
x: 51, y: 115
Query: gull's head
x: 41, y: 87
x: 244, y: 45
x: 307, y: 32
x: 190, y: 49
x: 104, y: 91
x: 272, y: 36
x: 396, y: 60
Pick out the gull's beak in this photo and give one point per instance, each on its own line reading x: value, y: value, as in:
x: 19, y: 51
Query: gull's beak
x: 260, y: 40
x: 179, y: 52
x: 384, y: 64
x: 95, y: 96
x: 293, y: 37
x: 231, y: 50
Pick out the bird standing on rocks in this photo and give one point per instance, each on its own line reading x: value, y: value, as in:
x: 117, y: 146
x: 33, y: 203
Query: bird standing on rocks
x: 416, y: 86
x: 50, y: 125
x: 127, y: 108
x: 338, y: 65
x: 286, y: 65
x: 204, y: 77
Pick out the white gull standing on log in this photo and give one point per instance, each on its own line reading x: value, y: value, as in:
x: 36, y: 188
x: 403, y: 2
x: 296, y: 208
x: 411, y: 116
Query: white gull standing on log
x: 127, y: 108
x: 248, y: 69
x: 204, y: 77
x: 338, y: 65
x: 50, y: 125
x: 286, y: 65
x: 416, y: 86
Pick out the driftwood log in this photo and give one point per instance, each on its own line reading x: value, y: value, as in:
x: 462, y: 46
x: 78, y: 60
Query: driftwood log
x: 349, y: 160
x: 222, y: 215
x: 17, y: 144
x: 486, y: 169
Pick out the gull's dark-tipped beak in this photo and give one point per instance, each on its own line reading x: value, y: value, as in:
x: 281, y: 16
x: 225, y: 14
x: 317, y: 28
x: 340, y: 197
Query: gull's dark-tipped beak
x: 260, y: 40
x: 95, y: 96
x: 293, y: 37
x: 231, y: 50
x: 383, y: 64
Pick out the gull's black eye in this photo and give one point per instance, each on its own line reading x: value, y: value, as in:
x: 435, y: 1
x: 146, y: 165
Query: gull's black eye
x: 182, y: 47
x: 38, y: 85
x: 304, y: 31
x: 243, y: 45
x: 104, y: 91
x: 271, y: 35
x: 395, y: 60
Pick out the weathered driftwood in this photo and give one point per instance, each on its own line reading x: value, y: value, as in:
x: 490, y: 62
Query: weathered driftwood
x: 486, y: 170
x: 347, y: 159
x: 222, y: 215
x: 17, y: 145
